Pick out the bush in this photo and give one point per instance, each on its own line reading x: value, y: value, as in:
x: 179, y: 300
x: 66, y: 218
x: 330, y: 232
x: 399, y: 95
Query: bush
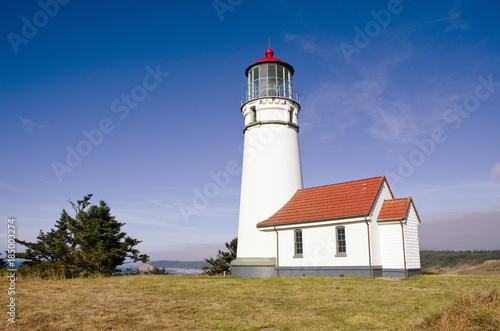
x: 158, y: 271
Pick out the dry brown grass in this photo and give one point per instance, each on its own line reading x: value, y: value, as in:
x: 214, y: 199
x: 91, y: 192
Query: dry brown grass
x: 185, y: 302
x: 487, y: 268
x: 471, y: 310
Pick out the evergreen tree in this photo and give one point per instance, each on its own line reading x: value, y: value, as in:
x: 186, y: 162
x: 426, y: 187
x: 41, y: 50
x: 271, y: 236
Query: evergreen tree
x: 223, y: 261
x: 91, y: 243
x: 3, y: 262
x: 53, y: 250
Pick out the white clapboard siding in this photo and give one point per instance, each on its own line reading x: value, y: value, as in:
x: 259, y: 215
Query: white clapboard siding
x: 319, y: 246
x: 411, y: 240
x: 391, y: 245
x: 375, y: 239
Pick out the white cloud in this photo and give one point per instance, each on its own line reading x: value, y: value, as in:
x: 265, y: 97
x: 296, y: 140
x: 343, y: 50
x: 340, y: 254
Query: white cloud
x: 169, y: 214
x: 386, y: 115
x: 390, y: 108
x: 495, y: 172
x: 455, y: 22
x: 29, y: 124
x: 312, y: 43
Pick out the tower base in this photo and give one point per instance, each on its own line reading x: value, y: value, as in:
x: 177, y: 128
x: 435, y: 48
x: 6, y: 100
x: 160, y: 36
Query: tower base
x: 254, y: 267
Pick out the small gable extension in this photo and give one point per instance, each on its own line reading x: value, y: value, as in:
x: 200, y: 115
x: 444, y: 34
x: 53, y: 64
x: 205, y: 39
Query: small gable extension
x: 396, y: 210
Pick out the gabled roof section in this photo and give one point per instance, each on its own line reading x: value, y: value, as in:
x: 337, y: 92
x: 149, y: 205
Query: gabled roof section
x: 396, y: 209
x: 343, y: 200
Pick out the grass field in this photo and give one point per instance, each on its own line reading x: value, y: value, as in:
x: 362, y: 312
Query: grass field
x: 196, y: 302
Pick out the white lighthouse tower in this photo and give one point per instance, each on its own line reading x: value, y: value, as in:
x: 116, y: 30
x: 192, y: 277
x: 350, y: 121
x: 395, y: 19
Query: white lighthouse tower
x: 271, y: 161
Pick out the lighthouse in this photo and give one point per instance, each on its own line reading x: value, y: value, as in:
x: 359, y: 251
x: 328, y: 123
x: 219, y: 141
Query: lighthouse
x: 271, y: 171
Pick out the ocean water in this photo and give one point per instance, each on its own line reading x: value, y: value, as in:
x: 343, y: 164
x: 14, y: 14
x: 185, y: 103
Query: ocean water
x: 183, y: 271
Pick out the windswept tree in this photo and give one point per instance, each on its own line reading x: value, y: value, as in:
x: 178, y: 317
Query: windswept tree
x: 53, y: 250
x: 223, y: 261
x: 3, y: 262
x: 92, y: 242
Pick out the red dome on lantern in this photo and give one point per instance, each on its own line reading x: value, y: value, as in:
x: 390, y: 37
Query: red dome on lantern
x: 269, y: 56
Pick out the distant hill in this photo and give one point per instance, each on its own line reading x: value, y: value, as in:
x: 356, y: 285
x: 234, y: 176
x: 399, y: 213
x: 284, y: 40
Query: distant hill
x: 167, y: 264
x: 481, y: 263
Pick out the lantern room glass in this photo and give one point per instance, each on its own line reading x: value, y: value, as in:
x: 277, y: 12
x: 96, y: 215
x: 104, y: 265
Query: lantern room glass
x: 269, y: 80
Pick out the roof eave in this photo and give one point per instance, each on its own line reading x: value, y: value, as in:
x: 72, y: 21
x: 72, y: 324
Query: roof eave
x: 259, y: 225
x: 414, y: 208
x: 391, y: 219
x: 383, y: 180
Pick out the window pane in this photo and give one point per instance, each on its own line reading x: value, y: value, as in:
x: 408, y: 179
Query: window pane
x: 280, y: 71
x: 341, y: 242
x: 273, y: 89
x: 271, y: 70
x: 298, y: 242
x: 263, y: 71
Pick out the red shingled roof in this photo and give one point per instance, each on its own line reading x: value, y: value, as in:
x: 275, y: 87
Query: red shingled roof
x: 395, y: 209
x: 334, y: 201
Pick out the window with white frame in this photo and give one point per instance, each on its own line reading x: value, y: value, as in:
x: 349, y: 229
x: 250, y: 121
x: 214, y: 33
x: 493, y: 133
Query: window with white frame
x: 341, y: 242
x: 298, y: 248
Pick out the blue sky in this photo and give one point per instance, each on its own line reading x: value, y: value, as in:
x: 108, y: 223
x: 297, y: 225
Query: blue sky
x: 139, y: 104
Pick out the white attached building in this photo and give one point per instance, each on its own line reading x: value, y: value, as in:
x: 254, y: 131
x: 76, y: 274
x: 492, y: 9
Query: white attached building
x: 352, y: 228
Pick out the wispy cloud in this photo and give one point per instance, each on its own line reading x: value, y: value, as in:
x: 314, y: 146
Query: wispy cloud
x: 495, y: 172
x: 313, y: 43
x: 145, y: 213
x: 168, y: 214
x: 450, y: 21
x: 379, y: 95
x: 22, y: 189
x: 386, y: 113
x: 29, y: 124
x: 455, y: 22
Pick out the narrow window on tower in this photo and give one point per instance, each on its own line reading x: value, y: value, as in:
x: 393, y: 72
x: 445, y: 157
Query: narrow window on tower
x: 298, y: 249
x: 255, y: 83
x: 291, y: 115
x: 253, y: 115
x: 281, y: 82
x: 287, y: 85
x: 341, y: 244
x: 272, y: 80
x: 263, y: 83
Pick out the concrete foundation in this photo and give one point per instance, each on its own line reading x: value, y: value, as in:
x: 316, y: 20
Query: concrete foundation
x: 248, y: 268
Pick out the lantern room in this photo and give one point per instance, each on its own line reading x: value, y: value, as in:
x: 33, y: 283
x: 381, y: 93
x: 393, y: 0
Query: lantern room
x: 269, y: 77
